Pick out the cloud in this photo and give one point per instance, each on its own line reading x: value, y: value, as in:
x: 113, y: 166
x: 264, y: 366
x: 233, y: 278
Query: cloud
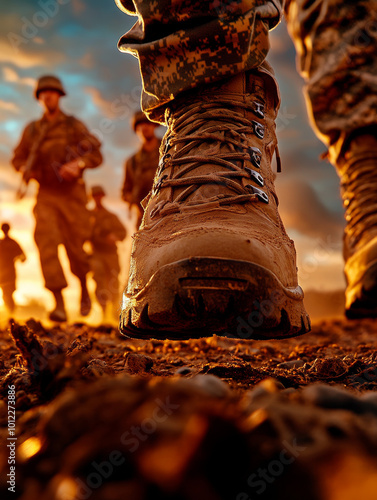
x: 9, y: 106
x: 102, y: 104
x: 39, y: 40
x: 11, y: 75
x: 87, y: 61
x: 29, y: 58
x: 9, y: 180
x: 302, y: 209
x: 21, y: 58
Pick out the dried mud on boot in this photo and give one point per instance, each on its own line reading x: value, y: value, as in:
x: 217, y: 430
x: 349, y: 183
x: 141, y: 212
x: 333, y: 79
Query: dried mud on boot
x: 232, y: 298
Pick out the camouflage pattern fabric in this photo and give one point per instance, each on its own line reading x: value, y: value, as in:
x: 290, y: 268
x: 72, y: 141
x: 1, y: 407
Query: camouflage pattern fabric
x: 201, y: 42
x: 104, y: 260
x: 336, y: 43
x: 60, y: 212
x: 182, y: 44
x: 106, y: 269
x: 10, y: 250
x: 67, y: 139
x: 139, y: 173
x: 63, y: 220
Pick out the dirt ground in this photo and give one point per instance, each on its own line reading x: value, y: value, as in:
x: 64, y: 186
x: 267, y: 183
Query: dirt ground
x: 103, y: 417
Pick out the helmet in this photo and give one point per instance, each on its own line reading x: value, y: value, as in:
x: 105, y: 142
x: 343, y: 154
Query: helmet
x: 140, y: 117
x: 5, y: 227
x: 49, y: 82
x: 96, y: 190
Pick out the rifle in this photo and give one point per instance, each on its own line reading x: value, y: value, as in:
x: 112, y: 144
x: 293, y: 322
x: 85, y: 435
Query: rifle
x: 26, y: 174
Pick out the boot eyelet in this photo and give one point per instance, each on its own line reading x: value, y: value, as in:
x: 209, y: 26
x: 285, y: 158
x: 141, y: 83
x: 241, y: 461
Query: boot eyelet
x: 162, y: 163
x: 158, y: 184
x: 167, y: 146
x: 255, y: 156
x: 258, y: 129
x: 261, y: 195
x: 163, y: 159
x: 256, y: 176
x: 259, y: 109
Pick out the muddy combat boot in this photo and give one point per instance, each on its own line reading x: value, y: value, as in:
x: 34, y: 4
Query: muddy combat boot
x: 357, y: 168
x: 212, y: 255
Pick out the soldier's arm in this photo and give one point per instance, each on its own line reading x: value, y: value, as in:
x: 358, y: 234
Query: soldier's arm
x: 88, y: 146
x: 21, y: 256
x: 87, y: 152
x: 18, y: 253
x: 22, y: 150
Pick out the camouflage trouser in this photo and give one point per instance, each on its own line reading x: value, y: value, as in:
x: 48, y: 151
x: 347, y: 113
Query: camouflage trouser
x: 182, y: 44
x: 336, y: 44
x: 8, y: 290
x: 106, y: 269
x: 62, y: 219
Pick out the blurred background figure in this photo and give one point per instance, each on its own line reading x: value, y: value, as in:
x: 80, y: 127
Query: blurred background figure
x: 106, y: 231
x: 55, y: 151
x: 141, y: 167
x: 10, y: 253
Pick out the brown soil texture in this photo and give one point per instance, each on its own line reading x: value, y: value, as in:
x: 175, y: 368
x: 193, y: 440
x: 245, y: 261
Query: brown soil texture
x: 103, y: 417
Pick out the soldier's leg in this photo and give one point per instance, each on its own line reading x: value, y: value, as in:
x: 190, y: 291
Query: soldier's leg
x: 336, y: 45
x: 212, y: 255
x: 194, y: 43
x: 47, y: 238
x: 8, y: 291
x: 108, y: 285
x: 75, y: 227
x: 98, y: 267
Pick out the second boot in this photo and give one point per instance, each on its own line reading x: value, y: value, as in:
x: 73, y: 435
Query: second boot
x: 357, y: 168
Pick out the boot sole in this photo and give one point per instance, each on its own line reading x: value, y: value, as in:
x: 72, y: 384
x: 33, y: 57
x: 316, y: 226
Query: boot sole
x: 200, y: 297
x: 57, y: 318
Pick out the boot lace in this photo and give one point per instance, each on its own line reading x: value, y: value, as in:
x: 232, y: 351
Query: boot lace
x: 228, y: 127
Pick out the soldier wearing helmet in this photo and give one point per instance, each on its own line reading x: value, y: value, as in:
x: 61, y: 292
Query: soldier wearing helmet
x: 106, y: 231
x: 10, y: 253
x: 54, y: 151
x: 141, y: 167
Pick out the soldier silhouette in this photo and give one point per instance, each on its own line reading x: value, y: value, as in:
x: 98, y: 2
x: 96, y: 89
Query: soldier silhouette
x: 65, y: 149
x: 141, y: 167
x: 10, y: 253
x: 106, y: 231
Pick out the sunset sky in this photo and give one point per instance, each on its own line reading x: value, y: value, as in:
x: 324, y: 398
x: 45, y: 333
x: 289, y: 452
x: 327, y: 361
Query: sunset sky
x: 77, y: 41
